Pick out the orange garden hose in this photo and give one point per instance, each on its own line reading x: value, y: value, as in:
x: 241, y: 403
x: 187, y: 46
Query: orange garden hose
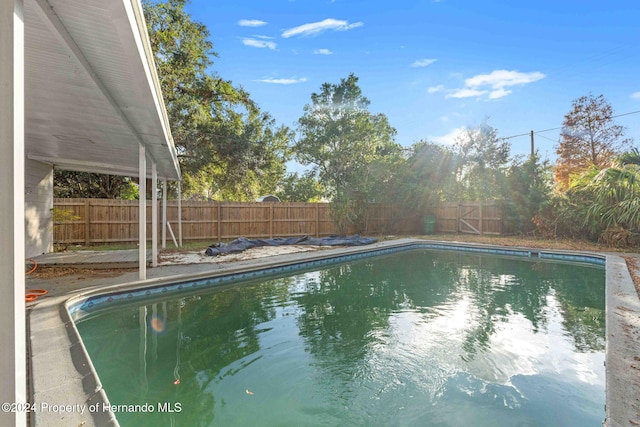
x: 35, y: 265
x: 33, y: 294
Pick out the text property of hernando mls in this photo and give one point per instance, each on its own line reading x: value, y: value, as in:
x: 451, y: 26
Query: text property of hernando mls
x: 82, y: 408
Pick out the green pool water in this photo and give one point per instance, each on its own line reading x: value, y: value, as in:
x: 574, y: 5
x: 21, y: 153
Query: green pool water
x: 417, y: 338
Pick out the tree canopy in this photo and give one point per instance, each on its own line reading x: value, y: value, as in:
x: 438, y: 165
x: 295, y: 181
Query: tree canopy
x: 350, y: 149
x: 482, y: 162
x: 93, y: 185
x: 228, y: 148
x: 589, y: 137
x: 341, y: 139
x: 426, y: 177
x: 300, y: 188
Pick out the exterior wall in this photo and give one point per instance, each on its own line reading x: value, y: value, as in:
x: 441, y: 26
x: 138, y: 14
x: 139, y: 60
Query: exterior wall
x: 38, y: 202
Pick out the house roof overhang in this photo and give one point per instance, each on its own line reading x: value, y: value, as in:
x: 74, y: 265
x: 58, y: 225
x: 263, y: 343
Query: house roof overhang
x: 92, y: 95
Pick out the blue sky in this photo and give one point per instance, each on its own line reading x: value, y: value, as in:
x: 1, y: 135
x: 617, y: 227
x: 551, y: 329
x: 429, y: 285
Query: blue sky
x: 434, y: 67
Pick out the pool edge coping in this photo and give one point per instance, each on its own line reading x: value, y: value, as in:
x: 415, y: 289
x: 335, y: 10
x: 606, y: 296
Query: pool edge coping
x: 77, y: 379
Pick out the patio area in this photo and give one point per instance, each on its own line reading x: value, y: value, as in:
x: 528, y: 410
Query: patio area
x: 105, y: 260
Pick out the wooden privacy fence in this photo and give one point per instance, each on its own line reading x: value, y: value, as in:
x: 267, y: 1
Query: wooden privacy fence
x: 484, y: 217
x: 116, y: 221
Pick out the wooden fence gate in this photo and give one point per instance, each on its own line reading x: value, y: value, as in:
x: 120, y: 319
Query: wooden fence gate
x: 484, y: 217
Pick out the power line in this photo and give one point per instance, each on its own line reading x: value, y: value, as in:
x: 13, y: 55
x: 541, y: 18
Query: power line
x: 547, y: 130
x: 626, y: 114
x: 560, y: 127
x: 552, y: 140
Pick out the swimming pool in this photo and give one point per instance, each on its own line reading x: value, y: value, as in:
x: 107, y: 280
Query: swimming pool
x: 416, y: 337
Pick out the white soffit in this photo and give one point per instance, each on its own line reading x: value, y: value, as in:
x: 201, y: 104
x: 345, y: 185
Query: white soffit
x: 91, y: 95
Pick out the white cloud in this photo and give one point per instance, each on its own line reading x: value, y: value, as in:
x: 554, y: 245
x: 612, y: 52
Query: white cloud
x: 251, y: 23
x: 435, y: 89
x: 449, y: 138
x: 423, y: 62
x: 284, y: 81
x: 499, y: 93
x: 318, y: 27
x: 635, y: 95
x: 498, y: 79
x: 259, y: 43
x: 465, y: 93
x: 495, y: 84
x: 323, y: 52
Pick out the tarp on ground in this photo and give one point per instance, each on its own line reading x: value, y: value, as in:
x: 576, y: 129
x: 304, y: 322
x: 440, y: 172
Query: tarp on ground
x: 242, y: 243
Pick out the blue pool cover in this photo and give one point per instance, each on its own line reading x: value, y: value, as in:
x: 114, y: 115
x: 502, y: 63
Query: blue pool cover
x: 242, y: 243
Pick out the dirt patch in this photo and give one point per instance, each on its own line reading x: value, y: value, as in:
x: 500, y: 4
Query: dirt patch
x: 170, y: 257
x: 197, y: 257
x: 82, y: 273
x: 530, y: 242
x: 633, y: 264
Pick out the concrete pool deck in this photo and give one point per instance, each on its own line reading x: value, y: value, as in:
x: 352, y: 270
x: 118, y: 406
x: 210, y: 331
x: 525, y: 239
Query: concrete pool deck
x: 65, y: 391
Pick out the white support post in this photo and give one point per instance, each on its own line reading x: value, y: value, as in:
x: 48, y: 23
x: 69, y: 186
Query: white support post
x: 142, y: 214
x: 13, y: 368
x: 164, y: 213
x: 154, y: 214
x: 180, y: 213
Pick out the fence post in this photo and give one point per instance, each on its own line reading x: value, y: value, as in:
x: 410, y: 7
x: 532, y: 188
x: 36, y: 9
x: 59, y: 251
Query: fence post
x: 219, y: 223
x: 317, y: 220
x: 502, y: 213
x: 87, y: 223
x: 271, y: 220
x: 481, y: 219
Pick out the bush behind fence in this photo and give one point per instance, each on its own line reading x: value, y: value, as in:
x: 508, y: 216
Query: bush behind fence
x: 101, y: 221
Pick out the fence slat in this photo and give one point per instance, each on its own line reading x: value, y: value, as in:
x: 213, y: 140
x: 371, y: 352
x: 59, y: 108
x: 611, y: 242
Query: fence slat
x: 116, y: 221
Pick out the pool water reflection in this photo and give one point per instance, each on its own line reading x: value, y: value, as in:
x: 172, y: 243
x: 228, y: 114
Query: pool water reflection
x: 414, y: 338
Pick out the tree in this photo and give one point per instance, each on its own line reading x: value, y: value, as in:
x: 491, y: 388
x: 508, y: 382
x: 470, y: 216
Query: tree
x: 610, y: 203
x: 92, y: 185
x: 300, y: 188
x: 630, y: 158
x: 426, y: 177
x: 529, y: 184
x: 351, y: 151
x: 483, y: 159
x: 228, y: 148
x: 589, y: 138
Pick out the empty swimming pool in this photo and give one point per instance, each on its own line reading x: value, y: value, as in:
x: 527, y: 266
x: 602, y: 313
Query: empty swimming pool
x: 416, y: 337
